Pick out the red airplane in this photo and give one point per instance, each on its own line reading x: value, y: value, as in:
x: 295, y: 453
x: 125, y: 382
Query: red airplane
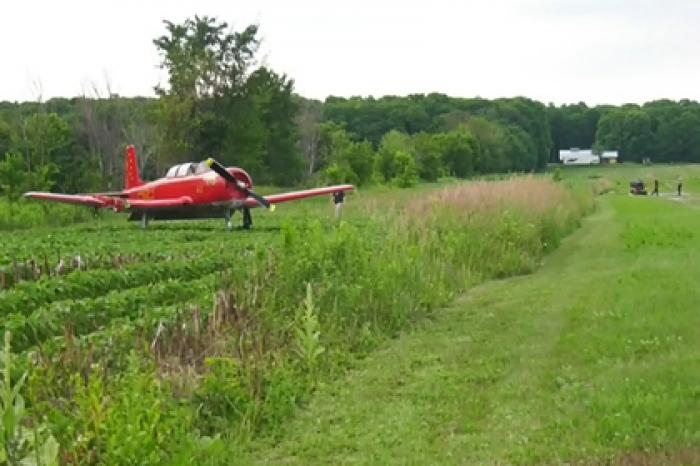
x: 188, y: 191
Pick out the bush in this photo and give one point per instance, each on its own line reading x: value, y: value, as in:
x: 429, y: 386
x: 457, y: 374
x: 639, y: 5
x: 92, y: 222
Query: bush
x: 407, y: 170
x: 131, y: 420
x: 557, y: 174
x: 27, y: 214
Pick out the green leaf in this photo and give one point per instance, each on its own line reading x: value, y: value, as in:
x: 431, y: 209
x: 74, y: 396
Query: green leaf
x: 48, y: 453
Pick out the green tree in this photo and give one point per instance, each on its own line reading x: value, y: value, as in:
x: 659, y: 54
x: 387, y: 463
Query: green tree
x: 572, y: 126
x: 406, y: 168
x: 275, y: 108
x: 459, y: 152
x: 531, y: 118
x: 360, y: 159
x: 309, y: 123
x: 678, y: 137
x: 14, y: 177
x: 349, y: 161
x: 207, y: 71
x: 490, y: 145
x: 629, y: 130
x: 428, y: 156
x: 5, y: 137
x: 49, y: 139
x: 218, y: 104
x: 392, y: 143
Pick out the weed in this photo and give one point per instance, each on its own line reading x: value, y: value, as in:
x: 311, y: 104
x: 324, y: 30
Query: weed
x: 19, y: 445
x: 308, y: 337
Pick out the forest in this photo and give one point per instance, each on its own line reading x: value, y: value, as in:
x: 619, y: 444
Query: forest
x: 220, y: 102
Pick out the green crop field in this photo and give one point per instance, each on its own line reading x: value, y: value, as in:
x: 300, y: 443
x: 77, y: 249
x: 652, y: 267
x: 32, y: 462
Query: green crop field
x: 441, y: 324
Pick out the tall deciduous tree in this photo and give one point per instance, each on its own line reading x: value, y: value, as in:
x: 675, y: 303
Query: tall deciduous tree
x: 629, y: 130
x: 219, y: 104
x: 276, y: 109
x: 392, y: 143
x: 459, y: 151
x: 309, y: 119
x: 348, y: 161
x: 428, y: 156
x: 207, y: 66
x: 13, y: 176
x: 103, y: 129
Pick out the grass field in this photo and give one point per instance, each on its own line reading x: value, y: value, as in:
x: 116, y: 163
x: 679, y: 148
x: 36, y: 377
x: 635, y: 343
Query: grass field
x: 441, y: 324
x: 593, y: 359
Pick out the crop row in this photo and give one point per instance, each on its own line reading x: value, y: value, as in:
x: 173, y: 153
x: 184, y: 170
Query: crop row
x: 122, y: 239
x: 88, y: 315
x: 89, y: 247
x: 89, y: 284
x: 36, y: 269
x: 126, y: 330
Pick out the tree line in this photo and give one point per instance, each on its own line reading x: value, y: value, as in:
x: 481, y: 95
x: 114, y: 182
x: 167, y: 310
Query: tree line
x: 219, y: 101
x: 663, y: 130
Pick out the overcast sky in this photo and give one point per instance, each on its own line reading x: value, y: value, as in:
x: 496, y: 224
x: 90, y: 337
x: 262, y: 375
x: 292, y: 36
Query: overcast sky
x: 597, y: 51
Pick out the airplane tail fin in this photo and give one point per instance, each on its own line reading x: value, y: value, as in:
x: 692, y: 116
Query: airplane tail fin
x: 133, y: 178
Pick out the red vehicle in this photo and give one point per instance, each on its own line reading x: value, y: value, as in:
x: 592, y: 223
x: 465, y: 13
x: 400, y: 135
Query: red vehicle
x: 188, y: 191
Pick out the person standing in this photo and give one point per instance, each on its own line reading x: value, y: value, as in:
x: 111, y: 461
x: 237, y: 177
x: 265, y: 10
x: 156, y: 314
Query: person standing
x: 680, y: 186
x: 656, y: 187
x: 338, y: 200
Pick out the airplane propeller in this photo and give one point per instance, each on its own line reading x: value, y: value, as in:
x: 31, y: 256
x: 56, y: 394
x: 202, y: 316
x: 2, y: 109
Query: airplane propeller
x: 222, y: 172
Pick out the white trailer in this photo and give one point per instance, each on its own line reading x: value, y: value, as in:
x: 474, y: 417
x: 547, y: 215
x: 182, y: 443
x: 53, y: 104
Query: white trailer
x: 577, y: 156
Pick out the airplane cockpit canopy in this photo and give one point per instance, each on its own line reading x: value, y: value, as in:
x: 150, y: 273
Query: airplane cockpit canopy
x: 187, y: 169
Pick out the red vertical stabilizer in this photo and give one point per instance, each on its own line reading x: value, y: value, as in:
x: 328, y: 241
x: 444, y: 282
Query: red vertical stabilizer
x: 133, y: 179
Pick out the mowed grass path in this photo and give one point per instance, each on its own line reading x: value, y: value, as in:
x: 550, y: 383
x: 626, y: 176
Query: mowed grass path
x: 594, y: 359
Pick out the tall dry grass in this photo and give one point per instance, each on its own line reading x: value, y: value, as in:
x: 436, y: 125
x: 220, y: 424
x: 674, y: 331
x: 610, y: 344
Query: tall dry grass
x: 525, y: 193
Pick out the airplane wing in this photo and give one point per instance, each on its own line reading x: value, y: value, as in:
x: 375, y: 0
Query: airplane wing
x: 80, y: 199
x: 102, y: 201
x: 296, y: 195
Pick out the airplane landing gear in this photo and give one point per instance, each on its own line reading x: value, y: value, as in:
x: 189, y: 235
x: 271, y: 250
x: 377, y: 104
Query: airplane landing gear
x: 247, y: 219
x: 227, y: 216
x: 144, y: 221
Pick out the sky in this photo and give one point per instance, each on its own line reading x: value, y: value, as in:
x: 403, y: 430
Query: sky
x: 560, y: 51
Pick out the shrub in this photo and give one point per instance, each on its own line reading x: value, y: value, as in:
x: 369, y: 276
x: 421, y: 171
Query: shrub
x: 23, y: 215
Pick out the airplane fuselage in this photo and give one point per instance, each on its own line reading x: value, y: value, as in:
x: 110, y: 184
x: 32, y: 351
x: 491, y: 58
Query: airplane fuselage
x: 210, y: 196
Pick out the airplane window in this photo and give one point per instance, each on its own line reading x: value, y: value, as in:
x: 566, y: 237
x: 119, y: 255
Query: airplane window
x: 202, y: 167
x: 172, y: 172
x: 183, y: 170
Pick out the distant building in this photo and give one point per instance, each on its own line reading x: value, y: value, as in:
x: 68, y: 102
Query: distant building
x: 576, y: 156
x: 608, y: 156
